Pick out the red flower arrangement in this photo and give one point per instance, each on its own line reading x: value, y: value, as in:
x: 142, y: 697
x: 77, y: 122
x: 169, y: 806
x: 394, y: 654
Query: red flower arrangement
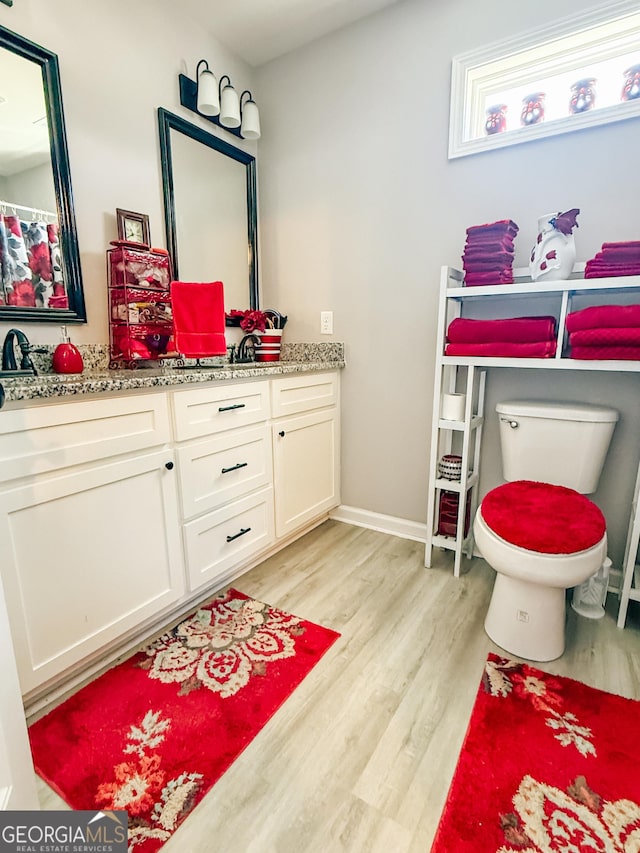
x: 249, y: 321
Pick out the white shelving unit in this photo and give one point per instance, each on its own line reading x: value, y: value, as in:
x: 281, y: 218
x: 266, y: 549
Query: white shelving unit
x: 467, y: 375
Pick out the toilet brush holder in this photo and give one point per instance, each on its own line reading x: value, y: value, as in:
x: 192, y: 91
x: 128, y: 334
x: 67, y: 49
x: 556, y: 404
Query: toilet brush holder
x: 590, y: 596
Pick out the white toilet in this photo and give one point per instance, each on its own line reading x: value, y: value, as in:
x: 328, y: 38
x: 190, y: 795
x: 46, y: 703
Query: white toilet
x: 538, y: 531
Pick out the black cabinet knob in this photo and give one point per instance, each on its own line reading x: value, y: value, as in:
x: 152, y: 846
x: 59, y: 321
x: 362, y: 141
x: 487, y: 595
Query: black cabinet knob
x: 281, y: 434
x: 168, y: 466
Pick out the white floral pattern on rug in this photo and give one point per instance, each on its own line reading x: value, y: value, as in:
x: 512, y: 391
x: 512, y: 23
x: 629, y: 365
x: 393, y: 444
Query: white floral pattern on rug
x: 222, y: 646
x: 548, y: 820
x: 140, y: 785
x: 502, y: 677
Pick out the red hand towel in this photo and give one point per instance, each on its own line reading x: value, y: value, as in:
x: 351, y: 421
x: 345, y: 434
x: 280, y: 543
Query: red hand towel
x: 511, y: 330
x: 491, y: 241
x: 198, y: 317
x: 501, y: 349
x: 611, y: 270
x: 629, y: 353
x: 485, y: 264
x: 623, y: 244
x: 502, y: 226
x: 484, y: 254
x: 599, y: 316
x: 472, y: 279
x: 618, y: 336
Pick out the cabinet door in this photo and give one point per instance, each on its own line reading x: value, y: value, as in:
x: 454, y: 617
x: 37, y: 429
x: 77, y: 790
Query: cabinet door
x: 306, y: 459
x: 87, y: 556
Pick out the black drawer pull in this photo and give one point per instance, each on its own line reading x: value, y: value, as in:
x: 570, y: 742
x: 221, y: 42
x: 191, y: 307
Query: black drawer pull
x: 281, y: 433
x: 168, y: 466
x: 234, y: 467
x: 243, y: 530
x: 231, y: 408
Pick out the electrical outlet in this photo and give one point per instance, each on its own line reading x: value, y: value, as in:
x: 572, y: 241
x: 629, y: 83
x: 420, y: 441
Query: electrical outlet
x: 326, y: 322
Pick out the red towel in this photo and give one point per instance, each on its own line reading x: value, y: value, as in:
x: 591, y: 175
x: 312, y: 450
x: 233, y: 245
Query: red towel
x: 609, y: 270
x: 501, y: 349
x: 485, y: 264
x: 472, y: 279
x: 504, y: 258
x: 623, y: 244
x: 605, y: 353
x: 502, y: 226
x: 617, y: 336
x: 601, y: 316
x: 198, y: 317
x: 511, y: 330
x: 491, y: 241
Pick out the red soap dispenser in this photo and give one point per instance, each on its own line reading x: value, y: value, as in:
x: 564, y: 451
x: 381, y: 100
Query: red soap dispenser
x: 66, y: 356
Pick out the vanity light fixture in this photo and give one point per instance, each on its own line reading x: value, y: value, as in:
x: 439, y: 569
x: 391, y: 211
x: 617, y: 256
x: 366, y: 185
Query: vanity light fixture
x: 218, y: 102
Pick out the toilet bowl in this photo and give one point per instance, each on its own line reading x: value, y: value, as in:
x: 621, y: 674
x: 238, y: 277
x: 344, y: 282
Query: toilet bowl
x: 539, y: 531
x: 526, y: 615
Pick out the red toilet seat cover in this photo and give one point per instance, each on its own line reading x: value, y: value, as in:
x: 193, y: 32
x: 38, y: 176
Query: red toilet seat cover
x: 544, y: 518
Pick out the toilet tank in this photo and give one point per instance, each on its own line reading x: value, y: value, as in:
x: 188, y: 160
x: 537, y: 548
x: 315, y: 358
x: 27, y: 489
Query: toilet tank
x: 560, y: 443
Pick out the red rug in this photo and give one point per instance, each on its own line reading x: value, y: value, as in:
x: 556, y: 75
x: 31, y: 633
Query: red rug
x: 547, y: 765
x: 153, y: 734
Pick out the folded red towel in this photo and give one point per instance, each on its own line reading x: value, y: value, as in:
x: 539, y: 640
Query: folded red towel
x: 617, y: 336
x: 597, y: 353
x: 510, y: 330
x: 486, y: 264
x: 611, y: 270
x: 623, y: 244
x: 624, y: 253
x: 490, y: 241
x: 601, y: 316
x: 502, y: 349
x: 474, y: 279
x: 501, y: 226
x: 483, y: 255
x: 198, y: 317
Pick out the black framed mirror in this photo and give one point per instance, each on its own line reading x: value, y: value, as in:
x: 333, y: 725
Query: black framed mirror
x: 210, y: 209
x: 41, y: 278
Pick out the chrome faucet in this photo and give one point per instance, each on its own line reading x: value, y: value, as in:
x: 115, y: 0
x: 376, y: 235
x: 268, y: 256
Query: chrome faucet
x: 242, y: 356
x: 9, y: 357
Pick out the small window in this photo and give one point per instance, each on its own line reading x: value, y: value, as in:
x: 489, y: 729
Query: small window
x: 575, y: 74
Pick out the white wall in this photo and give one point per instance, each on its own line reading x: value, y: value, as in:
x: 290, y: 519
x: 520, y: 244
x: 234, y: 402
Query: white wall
x: 360, y: 207
x: 119, y: 61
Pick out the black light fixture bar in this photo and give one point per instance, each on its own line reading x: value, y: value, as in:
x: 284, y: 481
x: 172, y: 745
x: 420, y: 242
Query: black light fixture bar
x: 189, y: 99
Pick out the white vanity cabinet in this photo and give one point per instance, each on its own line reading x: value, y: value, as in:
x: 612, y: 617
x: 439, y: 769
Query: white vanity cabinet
x: 226, y: 477
x: 120, y: 513
x: 89, y: 534
x: 306, y: 447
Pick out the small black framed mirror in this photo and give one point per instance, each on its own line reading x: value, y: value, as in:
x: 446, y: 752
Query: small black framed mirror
x: 210, y: 209
x: 41, y: 278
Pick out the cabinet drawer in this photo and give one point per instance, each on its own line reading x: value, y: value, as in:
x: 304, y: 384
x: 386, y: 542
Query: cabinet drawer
x: 293, y: 395
x: 40, y: 439
x: 224, y: 467
x: 227, y: 537
x: 201, y: 412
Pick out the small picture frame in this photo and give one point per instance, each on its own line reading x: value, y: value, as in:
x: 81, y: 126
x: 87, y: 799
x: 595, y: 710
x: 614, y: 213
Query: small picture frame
x: 133, y: 227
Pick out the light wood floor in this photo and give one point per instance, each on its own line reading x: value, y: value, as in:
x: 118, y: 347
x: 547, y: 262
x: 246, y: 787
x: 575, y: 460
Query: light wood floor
x: 360, y: 757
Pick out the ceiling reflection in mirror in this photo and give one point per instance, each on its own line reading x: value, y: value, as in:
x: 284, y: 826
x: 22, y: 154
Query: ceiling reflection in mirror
x: 39, y: 260
x: 210, y: 209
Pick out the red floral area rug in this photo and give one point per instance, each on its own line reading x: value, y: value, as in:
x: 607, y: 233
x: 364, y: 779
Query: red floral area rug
x: 153, y: 734
x: 548, y: 765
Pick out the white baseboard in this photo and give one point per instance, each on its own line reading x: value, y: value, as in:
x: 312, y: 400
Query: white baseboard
x: 377, y: 521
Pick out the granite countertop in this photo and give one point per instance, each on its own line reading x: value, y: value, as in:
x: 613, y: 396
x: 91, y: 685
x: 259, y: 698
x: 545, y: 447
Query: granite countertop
x: 301, y: 358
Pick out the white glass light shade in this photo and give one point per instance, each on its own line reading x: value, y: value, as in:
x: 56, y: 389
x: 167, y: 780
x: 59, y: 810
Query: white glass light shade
x: 250, y: 121
x: 229, y: 108
x: 208, y: 99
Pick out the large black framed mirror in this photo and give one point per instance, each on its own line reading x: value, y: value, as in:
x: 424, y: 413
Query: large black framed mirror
x: 210, y: 210
x: 41, y: 278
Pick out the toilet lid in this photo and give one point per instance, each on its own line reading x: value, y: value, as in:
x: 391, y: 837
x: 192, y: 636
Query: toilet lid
x: 542, y: 517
